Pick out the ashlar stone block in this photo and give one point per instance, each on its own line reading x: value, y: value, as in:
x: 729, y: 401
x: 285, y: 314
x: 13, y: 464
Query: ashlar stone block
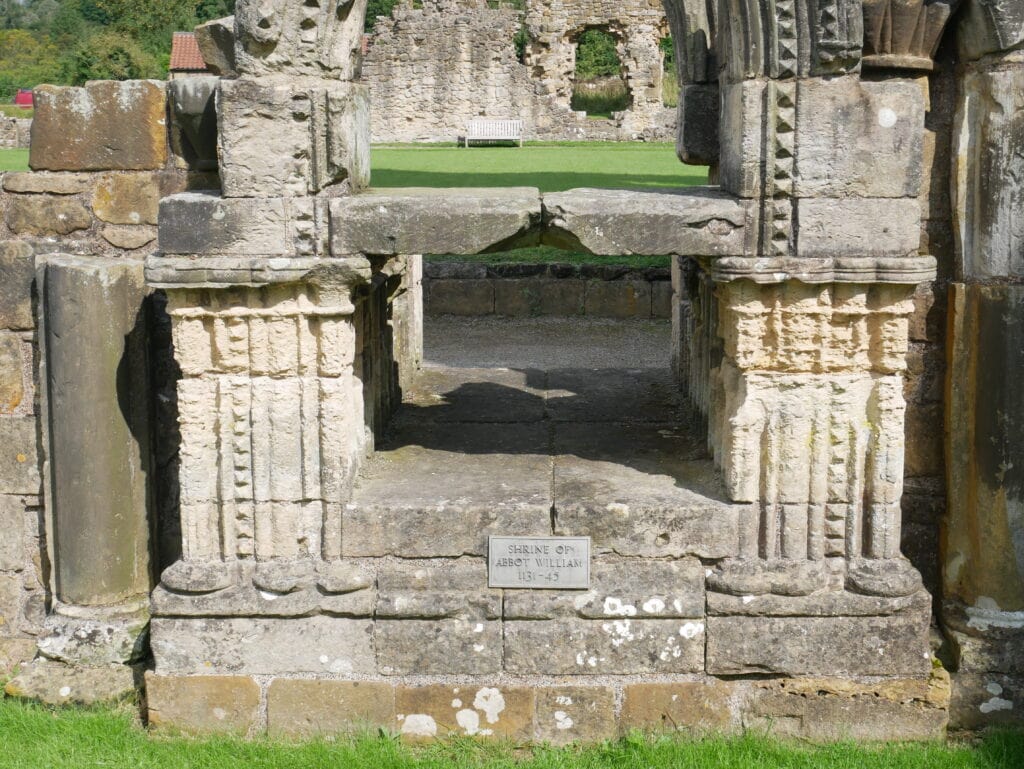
x: 202, y: 704
x: 438, y: 647
x: 568, y: 714
x: 117, y: 126
x: 263, y: 646
x: 501, y: 712
x: 615, y: 646
x: 17, y: 272
x: 302, y: 708
x: 282, y: 138
x: 697, y: 706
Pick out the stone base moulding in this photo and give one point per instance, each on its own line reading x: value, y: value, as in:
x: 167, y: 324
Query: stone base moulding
x: 816, y: 709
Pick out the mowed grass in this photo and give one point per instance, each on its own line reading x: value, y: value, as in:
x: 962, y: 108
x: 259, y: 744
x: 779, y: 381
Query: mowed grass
x: 35, y: 737
x: 550, y: 167
x: 13, y: 160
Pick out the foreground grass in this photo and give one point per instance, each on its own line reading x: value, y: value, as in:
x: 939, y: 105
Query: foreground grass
x: 33, y: 737
x: 551, y: 167
x: 13, y: 160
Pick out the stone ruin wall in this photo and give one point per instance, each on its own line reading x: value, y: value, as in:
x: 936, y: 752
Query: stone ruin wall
x: 433, y: 69
x: 14, y: 132
x: 75, y: 234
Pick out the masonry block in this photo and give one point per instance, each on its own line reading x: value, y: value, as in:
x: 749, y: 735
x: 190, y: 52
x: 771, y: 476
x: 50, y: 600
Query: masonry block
x: 500, y: 712
x: 202, y: 704
x: 303, y: 708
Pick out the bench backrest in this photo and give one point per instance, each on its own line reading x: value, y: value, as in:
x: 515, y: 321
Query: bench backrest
x: 494, y: 129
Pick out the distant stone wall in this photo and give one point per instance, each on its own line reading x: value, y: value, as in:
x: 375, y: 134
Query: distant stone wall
x: 433, y: 69
x: 15, y: 133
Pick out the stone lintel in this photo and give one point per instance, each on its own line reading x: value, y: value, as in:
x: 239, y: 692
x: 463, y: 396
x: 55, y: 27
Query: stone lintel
x: 695, y: 221
x: 167, y: 271
x: 434, y: 221
x: 909, y: 270
x: 206, y: 223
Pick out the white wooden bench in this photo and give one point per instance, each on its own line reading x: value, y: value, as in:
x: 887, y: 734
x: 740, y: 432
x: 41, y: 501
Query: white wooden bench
x: 483, y: 130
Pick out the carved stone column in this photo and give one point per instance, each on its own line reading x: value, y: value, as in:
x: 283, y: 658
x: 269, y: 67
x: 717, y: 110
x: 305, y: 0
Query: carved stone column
x: 797, y: 346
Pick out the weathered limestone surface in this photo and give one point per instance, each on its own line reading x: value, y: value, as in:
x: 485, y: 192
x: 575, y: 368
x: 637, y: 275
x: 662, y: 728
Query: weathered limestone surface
x: 263, y: 646
x: 501, y: 712
x: 844, y: 646
x: 431, y: 221
x: 986, y: 700
x: 282, y: 137
x: 202, y: 704
x: 984, y: 550
x: 117, y: 126
x: 438, y: 647
x: 988, y: 155
x: 990, y: 26
x: 282, y: 37
x: 193, y: 129
x: 575, y: 714
x: 17, y: 271
x: 298, y: 708
x: 205, y: 223
x: 45, y: 215
x: 216, y: 40
x: 54, y: 683
x: 97, y: 441
x: 703, y: 706
x: 699, y: 222
x: 600, y: 647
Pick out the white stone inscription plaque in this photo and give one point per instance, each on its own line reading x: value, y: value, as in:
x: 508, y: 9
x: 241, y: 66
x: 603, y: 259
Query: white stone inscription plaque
x: 539, y: 563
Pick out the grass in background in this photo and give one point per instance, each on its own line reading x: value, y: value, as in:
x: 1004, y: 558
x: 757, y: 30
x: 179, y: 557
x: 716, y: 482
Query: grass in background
x: 13, y: 110
x: 34, y: 737
x: 551, y: 167
x: 13, y: 160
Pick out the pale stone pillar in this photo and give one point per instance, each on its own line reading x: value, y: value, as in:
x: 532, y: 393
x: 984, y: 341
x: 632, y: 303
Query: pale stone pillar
x: 983, y: 532
x: 94, y: 371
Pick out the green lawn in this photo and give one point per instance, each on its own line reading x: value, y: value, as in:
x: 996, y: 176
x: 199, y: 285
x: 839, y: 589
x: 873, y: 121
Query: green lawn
x: 13, y: 160
x: 35, y: 737
x: 551, y: 167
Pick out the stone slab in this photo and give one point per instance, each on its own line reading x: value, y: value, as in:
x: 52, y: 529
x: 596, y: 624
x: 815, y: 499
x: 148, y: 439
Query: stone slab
x: 12, y: 523
x: 618, y: 299
x: 301, y: 708
x: 216, y: 41
x: 117, y: 126
x: 698, y: 124
x: 56, y: 684
x: 896, y: 645
x: 575, y: 714
x: 690, y: 706
x: 834, y: 710
x: 694, y: 222
x: 206, y: 223
x: 42, y: 182
x: 132, y: 198
x: 621, y: 587
x: 435, y: 490
x: 14, y: 355
x: 826, y: 603
x: 473, y: 710
x: 438, y: 647
x: 433, y: 221
x: 483, y: 395
x: 641, y: 490
x: 263, y: 646
x: 47, y: 215
x: 437, y: 589
x: 15, y: 652
x: 17, y: 272
x: 202, y: 704
x: 621, y: 646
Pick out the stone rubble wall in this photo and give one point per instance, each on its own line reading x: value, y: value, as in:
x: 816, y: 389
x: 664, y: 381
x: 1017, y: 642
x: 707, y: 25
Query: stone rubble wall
x: 534, y: 290
x: 15, y: 133
x: 433, y: 69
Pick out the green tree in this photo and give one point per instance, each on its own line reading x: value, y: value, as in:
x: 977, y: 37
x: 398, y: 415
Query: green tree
x: 109, y: 56
x: 150, y: 23
x: 26, y: 60
x: 596, y: 55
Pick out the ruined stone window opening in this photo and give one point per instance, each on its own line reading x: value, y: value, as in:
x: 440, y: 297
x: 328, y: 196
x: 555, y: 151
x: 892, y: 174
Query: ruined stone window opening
x: 599, y: 84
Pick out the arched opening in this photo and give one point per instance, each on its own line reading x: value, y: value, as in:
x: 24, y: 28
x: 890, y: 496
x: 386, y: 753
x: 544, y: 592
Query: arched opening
x: 599, y: 82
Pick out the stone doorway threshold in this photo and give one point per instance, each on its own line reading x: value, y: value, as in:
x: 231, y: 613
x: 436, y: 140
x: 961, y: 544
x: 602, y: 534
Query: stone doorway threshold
x: 609, y: 451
